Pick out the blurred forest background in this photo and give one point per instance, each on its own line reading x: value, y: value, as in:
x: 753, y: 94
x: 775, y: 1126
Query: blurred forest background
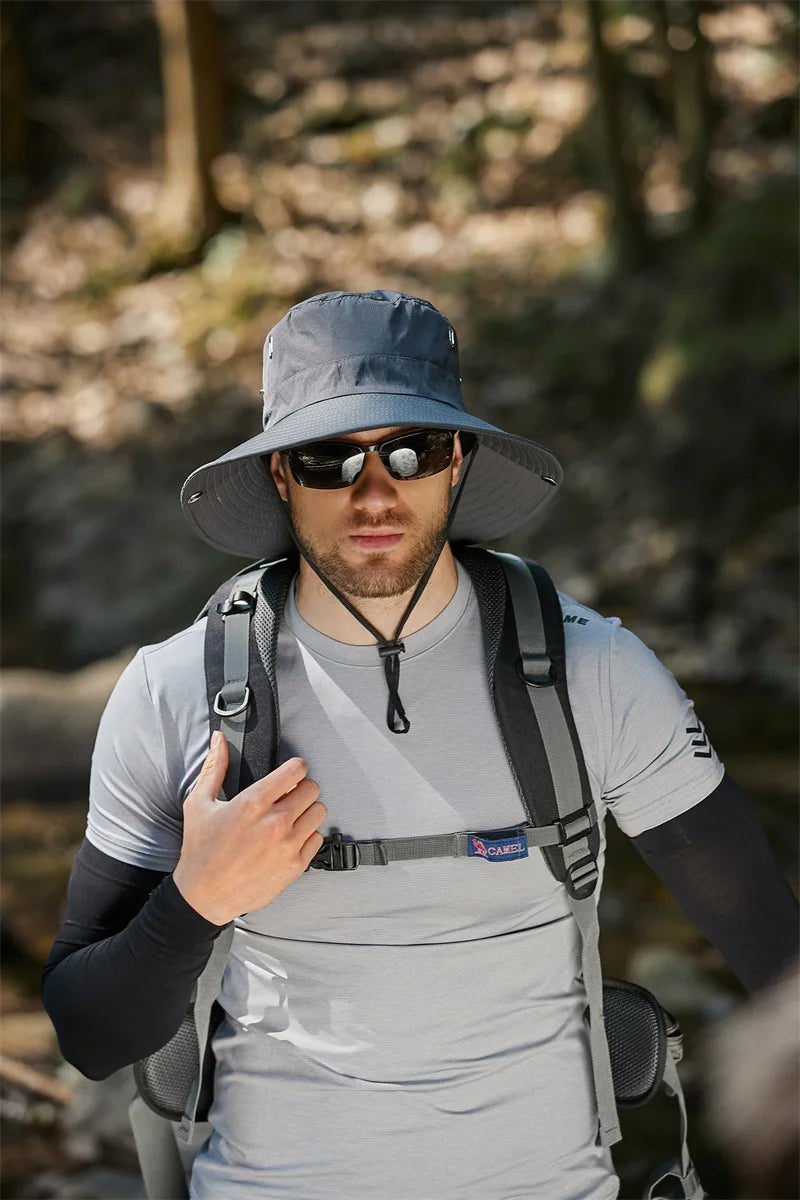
x: 601, y: 196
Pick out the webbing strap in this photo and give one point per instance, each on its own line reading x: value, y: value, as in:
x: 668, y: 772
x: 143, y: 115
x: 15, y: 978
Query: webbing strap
x: 233, y: 699
x: 681, y: 1171
x: 539, y: 676
x: 159, y: 1158
x: 206, y: 991
x: 381, y: 851
x: 585, y: 913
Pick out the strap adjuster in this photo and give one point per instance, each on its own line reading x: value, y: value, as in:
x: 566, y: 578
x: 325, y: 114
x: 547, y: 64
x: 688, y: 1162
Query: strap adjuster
x: 391, y: 649
x: 574, y: 826
x: 239, y: 602
x: 537, y: 670
x: 583, y: 873
x: 337, y: 855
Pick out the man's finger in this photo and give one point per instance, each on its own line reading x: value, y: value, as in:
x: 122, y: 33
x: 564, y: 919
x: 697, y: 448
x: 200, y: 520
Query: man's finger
x: 280, y: 781
x: 212, y: 772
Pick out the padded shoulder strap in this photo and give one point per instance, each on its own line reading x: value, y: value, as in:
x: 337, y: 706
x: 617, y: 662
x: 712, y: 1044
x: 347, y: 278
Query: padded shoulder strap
x: 271, y: 594
x: 542, y: 666
x: 241, y: 696
x: 528, y: 674
x: 538, y: 649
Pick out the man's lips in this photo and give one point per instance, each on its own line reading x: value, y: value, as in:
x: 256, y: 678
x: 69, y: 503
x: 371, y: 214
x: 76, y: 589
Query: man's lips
x: 376, y: 539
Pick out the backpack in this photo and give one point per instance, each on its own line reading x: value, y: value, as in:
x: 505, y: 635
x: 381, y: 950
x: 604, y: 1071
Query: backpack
x: 635, y: 1043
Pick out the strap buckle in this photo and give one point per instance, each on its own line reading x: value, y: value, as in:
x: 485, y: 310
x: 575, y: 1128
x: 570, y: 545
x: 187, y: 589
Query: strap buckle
x: 239, y: 602
x: 337, y: 855
x: 575, y: 826
x: 231, y: 712
x: 537, y: 670
x: 583, y: 872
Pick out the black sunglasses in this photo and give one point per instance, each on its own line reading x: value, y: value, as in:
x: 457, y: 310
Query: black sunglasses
x: 413, y: 455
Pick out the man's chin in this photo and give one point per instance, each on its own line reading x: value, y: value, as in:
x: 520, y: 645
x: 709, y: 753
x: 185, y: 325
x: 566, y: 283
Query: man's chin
x: 376, y: 581
x: 373, y: 575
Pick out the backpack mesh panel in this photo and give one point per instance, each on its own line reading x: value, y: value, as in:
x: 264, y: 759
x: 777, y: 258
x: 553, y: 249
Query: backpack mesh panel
x: 489, y: 583
x: 165, y: 1078
x: 637, y: 1040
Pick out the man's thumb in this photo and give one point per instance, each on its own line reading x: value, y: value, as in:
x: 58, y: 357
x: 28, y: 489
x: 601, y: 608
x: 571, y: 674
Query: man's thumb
x: 212, y: 773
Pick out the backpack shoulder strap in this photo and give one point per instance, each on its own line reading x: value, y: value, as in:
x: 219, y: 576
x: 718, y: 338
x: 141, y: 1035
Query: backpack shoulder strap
x: 537, y: 614
x: 240, y: 692
x: 528, y: 674
x: 524, y: 640
x: 261, y: 756
x: 541, y: 665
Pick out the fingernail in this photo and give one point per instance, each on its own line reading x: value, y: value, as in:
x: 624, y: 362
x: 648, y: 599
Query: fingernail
x: 216, y: 738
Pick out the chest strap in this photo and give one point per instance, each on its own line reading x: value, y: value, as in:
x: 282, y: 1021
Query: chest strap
x: 337, y: 854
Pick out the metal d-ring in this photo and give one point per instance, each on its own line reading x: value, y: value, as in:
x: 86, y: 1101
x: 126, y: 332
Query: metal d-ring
x: 231, y: 712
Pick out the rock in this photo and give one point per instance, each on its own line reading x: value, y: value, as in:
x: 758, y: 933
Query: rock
x: 751, y: 1065
x: 98, y: 1119
x: 90, y: 1183
x: 48, y: 724
x: 677, y: 982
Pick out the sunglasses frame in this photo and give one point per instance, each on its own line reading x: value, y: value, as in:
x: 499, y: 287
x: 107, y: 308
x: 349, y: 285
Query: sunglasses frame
x: 377, y: 447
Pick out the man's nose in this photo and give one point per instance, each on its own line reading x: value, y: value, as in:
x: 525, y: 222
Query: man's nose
x: 374, y: 487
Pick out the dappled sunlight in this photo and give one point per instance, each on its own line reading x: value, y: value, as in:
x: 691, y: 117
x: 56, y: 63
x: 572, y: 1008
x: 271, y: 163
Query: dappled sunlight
x: 610, y: 225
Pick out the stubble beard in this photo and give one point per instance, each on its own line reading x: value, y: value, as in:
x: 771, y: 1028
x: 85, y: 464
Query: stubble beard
x: 377, y: 577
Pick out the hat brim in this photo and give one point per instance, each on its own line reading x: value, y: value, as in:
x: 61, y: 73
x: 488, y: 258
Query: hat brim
x: 233, y: 505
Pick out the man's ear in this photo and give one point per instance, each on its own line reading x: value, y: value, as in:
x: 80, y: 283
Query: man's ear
x: 458, y: 458
x: 278, y: 474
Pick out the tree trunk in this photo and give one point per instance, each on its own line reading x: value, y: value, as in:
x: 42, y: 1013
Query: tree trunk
x: 687, y: 50
x: 14, y: 139
x: 188, y: 212
x: 627, y: 221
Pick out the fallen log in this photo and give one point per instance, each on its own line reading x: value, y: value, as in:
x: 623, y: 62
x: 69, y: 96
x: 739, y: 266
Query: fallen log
x: 14, y: 1071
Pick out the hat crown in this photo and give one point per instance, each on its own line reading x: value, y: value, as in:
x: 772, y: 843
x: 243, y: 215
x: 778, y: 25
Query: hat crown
x: 340, y: 342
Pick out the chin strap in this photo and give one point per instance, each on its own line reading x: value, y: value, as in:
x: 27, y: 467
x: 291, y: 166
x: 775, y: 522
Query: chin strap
x: 390, y: 649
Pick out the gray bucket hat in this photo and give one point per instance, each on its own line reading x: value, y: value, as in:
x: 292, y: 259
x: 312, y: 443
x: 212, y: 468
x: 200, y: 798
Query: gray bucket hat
x: 344, y: 362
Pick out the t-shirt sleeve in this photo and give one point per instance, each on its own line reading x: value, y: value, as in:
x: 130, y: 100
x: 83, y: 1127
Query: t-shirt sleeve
x: 661, y: 761
x: 134, y: 805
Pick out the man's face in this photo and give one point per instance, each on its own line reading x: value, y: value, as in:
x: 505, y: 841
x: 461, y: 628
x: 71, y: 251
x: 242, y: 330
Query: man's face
x: 340, y: 528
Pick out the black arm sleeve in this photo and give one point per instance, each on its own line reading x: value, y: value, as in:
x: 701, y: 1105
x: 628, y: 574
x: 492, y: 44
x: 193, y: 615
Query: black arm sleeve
x: 120, y: 974
x: 717, y: 863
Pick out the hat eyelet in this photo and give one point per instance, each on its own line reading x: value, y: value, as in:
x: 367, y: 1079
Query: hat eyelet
x: 548, y: 479
x: 194, y: 496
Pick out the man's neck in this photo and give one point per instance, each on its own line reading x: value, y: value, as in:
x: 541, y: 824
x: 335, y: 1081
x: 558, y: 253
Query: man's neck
x: 319, y: 608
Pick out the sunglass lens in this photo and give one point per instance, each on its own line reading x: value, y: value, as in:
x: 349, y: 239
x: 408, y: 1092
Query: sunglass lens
x: 404, y: 462
x: 350, y: 468
x: 418, y: 455
x: 325, y: 465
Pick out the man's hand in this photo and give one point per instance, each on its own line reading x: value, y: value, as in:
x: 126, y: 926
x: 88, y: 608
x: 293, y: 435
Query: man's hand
x: 240, y: 854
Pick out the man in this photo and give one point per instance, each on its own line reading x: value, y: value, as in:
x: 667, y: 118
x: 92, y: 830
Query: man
x: 413, y: 1031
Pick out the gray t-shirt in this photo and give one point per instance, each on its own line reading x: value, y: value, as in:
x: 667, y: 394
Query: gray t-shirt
x: 413, y: 1031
